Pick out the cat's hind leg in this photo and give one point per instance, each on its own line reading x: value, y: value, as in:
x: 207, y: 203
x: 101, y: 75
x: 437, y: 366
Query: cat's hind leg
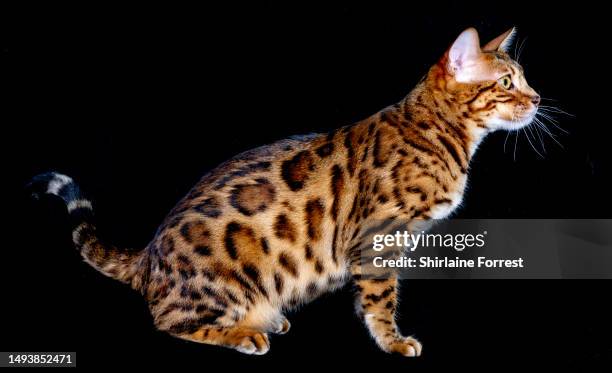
x: 242, y: 339
x: 266, y: 317
x: 282, y: 326
x: 231, y: 328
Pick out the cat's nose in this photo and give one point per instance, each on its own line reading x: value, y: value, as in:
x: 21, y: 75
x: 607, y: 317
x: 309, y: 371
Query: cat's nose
x: 535, y: 99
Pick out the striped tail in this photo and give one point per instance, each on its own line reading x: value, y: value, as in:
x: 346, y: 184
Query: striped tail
x: 127, y: 266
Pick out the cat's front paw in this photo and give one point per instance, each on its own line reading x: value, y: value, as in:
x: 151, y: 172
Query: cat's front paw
x: 406, y: 346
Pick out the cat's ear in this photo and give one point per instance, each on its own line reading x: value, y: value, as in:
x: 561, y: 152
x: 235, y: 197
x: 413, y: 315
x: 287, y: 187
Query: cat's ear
x: 501, y: 43
x: 464, y: 52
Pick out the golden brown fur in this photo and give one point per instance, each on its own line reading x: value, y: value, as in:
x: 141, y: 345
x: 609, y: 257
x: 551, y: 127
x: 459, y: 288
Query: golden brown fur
x: 279, y: 225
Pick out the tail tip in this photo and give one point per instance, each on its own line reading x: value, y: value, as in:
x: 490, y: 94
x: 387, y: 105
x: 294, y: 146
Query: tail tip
x: 48, y: 183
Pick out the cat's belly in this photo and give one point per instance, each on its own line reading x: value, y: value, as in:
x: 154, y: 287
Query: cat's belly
x: 311, y: 285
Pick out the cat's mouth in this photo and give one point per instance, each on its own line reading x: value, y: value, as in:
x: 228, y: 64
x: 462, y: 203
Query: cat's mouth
x: 521, y: 121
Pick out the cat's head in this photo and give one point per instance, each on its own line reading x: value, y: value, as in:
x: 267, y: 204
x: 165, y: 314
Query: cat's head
x: 486, y: 82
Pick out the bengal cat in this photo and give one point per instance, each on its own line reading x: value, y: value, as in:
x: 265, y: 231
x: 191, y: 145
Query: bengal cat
x: 276, y: 226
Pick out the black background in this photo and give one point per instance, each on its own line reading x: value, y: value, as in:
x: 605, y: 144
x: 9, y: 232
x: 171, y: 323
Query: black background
x: 138, y: 103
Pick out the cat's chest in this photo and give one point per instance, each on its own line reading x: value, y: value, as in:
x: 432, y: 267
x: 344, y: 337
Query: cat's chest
x: 444, y: 207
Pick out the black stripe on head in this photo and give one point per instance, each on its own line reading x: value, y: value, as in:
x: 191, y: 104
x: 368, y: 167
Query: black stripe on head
x: 480, y: 92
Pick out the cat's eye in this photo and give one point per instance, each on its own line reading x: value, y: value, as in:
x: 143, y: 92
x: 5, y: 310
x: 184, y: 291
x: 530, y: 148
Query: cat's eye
x: 506, y: 82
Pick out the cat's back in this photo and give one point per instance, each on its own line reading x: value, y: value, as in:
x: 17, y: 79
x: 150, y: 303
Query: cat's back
x: 267, y: 170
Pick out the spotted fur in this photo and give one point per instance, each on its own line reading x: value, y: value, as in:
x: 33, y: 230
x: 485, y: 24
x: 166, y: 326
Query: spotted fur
x: 279, y: 225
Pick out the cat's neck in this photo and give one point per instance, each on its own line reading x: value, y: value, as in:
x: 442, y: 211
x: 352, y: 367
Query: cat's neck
x: 443, y: 115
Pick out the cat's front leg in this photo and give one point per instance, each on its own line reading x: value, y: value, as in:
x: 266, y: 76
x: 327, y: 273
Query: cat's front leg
x: 377, y: 303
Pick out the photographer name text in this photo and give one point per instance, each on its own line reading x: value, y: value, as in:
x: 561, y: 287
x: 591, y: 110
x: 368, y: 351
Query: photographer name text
x: 445, y: 262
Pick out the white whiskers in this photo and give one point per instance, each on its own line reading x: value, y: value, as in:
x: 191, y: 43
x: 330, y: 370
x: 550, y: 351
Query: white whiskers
x: 544, y: 123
